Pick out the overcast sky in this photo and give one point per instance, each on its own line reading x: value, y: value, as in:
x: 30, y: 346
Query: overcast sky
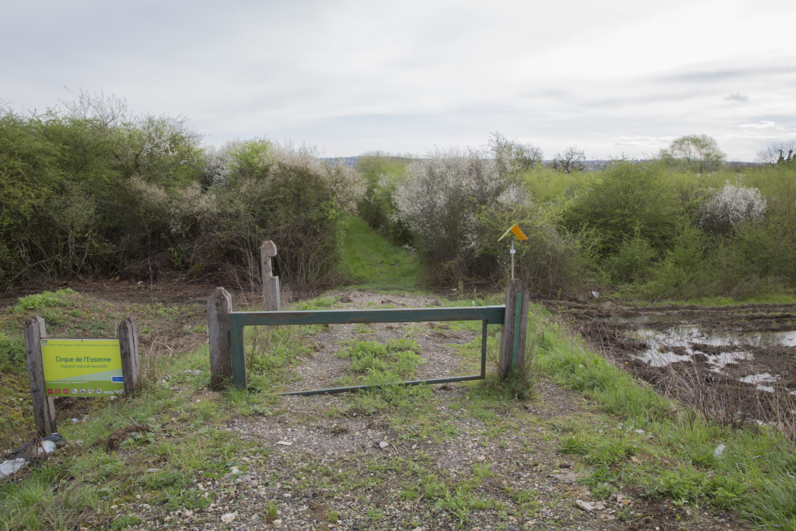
x: 613, y: 78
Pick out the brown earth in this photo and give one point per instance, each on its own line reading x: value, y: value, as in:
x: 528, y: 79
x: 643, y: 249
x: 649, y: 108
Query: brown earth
x: 718, y: 394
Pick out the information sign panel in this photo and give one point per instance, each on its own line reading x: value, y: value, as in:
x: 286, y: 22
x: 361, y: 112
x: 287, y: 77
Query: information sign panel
x: 82, y: 367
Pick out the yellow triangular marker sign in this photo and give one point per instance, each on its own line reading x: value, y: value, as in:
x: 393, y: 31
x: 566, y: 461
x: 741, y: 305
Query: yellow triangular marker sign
x: 515, y: 230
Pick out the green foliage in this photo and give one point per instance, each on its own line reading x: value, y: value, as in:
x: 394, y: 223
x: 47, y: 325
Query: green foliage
x: 12, y: 355
x: 696, y: 152
x: 686, y: 485
x: 45, y: 299
x: 633, y: 259
x: 92, y: 189
x: 382, y: 173
x: 600, y: 451
x: 124, y: 522
x: 551, y: 263
x: 676, y: 274
x: 681, y: 486
x: 248, y: 159
x: 271, y: 512
x: 628, y: 200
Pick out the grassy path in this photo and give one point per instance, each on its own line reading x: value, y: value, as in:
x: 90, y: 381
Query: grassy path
x: 371, y: 261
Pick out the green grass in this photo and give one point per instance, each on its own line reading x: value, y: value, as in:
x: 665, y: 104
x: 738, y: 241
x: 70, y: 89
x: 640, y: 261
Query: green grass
x: 372, y: 262
x: 755, y: 476
x: 634, y: 438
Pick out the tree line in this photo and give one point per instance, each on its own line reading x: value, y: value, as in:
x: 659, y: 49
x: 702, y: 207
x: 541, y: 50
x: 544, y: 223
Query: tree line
x: 91, y: 189
x: 682, y: 224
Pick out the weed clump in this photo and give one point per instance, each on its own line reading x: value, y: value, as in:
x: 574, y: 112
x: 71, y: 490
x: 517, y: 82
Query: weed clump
x: 395, y: 361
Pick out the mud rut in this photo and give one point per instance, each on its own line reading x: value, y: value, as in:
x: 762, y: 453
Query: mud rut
x: 754, y: 382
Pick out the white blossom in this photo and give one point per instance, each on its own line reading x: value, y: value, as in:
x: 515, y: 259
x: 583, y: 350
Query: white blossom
x: 732, y: 205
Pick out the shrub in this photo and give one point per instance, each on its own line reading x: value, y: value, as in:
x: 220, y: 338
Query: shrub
x: 440, y: 199
x: 287, y: 196
x: 731, y: 206
x: 381, y: 174
x: 628, y: 199
x: 551, y: 263
x: 94, y: 190
x: 633, y: 259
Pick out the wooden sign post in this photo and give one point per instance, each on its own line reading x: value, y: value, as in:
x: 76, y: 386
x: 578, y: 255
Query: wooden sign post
x: 131, y: 366
x: 43, y: 405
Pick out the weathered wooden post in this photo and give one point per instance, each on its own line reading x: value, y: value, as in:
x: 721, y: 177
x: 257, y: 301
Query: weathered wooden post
x: 131, y: 366
x: 218, y: 307
x: 43, y: 405
x: 270, y: 282
x: 515, y: 328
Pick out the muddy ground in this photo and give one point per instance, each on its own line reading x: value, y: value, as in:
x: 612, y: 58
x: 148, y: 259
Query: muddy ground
x: 724, y: 360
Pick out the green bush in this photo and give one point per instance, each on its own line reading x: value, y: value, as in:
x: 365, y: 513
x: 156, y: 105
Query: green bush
x: 551, y: 263
x: 90, y: 189
x: 628, y: 200
x: 633, y: 259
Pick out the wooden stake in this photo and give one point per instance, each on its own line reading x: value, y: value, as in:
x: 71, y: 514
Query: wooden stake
x: 218, y: 307
x: 131, y: 366
x: 270, y: 282
x: 43, y: 405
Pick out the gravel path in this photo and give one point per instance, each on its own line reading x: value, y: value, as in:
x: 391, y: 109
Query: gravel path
x: 333, y: 465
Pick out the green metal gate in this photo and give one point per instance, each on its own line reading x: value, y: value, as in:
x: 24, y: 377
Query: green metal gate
x: 238, y: 320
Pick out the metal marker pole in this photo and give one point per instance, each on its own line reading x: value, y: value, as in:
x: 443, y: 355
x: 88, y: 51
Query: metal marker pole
x: 512, y: 258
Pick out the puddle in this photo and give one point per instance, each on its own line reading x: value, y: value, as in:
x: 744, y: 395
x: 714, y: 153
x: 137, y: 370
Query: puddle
x: 643, y: 319
x: 681, y: 343
x: 761, y: 378
x: 771, y: 339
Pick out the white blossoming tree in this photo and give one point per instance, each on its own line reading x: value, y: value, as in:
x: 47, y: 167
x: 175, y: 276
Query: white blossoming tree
x: 730, y: 206
x: 439, y: 200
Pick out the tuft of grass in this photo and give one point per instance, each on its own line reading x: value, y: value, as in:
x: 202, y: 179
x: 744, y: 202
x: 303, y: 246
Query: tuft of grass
x: 378, y: 363
x: 45, y: 299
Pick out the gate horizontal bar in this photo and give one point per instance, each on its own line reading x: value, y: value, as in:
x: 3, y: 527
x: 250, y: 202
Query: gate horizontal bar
x: 491, y: 314
x: 335, y: 390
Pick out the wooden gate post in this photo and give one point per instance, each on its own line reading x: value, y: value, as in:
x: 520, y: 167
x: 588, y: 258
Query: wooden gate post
x: 218, y: 307
x: 515, y: 327
x: 270, y: 282
x: 131, y: 366
x: 43, y: 405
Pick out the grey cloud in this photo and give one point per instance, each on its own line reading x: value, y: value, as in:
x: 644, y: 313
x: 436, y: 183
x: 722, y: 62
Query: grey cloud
x: 709, y: 76
x: 737, y: 96
x: 759, y: 125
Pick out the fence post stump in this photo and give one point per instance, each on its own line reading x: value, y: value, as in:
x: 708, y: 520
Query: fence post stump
x: 131, y: 366
x: 270, y: 282
x: 218, y: 307
x: 515, y: 328
x: 43, y: 405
